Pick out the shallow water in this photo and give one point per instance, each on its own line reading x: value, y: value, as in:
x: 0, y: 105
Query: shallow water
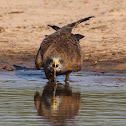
x: 91, y: 99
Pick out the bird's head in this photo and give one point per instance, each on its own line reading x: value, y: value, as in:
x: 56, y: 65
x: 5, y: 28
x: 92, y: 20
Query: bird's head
x: 54, y: 64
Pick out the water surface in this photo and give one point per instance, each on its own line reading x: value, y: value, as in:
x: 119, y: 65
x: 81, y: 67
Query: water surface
x: 91, y: 99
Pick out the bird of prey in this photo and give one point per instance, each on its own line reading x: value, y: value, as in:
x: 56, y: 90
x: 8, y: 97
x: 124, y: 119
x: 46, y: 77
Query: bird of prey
x: 60, y: 51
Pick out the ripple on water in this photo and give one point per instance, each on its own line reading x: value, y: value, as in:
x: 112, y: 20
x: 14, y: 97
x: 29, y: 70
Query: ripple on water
x: 102, y: 99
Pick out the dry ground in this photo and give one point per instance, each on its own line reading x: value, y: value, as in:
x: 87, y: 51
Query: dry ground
x: 23, y: 25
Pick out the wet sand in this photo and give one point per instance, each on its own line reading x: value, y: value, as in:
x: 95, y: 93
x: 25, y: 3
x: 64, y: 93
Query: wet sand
x: 23, y: 25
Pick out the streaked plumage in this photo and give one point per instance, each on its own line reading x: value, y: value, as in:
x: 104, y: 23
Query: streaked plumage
x: 60, y: 51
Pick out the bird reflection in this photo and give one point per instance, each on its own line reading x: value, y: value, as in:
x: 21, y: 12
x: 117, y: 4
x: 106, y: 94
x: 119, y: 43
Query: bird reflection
x: 58, y: 103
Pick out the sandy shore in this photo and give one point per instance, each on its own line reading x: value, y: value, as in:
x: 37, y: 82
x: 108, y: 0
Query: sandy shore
x: 23, y: 25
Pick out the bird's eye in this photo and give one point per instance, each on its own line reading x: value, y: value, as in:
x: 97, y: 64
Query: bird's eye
x: 50, y: 60
x: 61, y: 61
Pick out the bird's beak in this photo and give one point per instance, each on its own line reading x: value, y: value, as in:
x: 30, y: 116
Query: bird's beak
x: 56, y: 65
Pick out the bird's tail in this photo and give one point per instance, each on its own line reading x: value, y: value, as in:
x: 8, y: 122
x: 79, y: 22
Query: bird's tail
x: 74, y: 24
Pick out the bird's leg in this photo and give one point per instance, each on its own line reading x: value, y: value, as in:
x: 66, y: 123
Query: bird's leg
x: 67, y: 78
x: 50, y: 80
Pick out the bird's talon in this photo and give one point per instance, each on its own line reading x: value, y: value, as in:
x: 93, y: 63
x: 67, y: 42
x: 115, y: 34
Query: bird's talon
x: 66, y: 81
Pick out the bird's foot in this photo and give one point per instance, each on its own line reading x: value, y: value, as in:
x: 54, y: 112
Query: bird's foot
x: 66, y: 82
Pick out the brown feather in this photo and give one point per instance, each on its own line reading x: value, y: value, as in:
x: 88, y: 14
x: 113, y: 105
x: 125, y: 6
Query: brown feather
x: 64, y: 45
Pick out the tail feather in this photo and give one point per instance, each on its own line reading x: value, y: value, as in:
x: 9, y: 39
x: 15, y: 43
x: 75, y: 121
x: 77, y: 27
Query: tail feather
x: 74, y: 24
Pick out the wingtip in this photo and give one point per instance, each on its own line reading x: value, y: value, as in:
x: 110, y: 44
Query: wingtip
x: 88, y: 18
x: 54, y: 27
x: 91, y: 16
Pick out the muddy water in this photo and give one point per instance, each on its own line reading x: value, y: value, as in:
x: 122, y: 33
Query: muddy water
x: 91, y: 99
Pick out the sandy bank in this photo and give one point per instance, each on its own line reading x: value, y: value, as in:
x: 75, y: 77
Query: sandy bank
x: 23, y: 25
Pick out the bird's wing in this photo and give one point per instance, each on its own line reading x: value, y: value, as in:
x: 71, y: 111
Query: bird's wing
x: 54, y: 27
